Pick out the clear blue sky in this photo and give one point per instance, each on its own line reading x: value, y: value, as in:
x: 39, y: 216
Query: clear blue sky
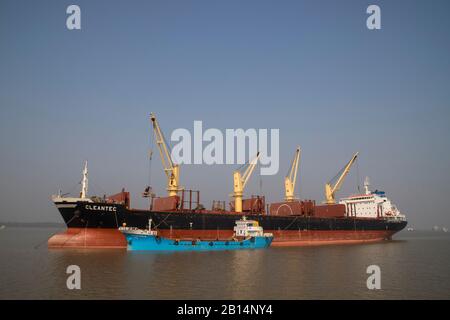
x: 310, y: 68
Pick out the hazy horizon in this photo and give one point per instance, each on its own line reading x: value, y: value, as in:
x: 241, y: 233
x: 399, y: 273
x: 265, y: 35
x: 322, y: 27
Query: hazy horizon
x: 309, y: 68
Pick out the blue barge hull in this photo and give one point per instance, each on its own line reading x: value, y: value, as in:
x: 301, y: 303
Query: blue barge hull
x: 155, y: 243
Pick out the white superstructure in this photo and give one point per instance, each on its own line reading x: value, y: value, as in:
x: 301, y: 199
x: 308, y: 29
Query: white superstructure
x: 371, y: 205
x: 249, y: 228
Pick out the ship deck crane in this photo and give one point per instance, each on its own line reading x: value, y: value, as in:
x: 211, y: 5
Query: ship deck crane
x: 291, y: 179
x: 171, y: 170
x: 331, y: 188
x: 240, y: 181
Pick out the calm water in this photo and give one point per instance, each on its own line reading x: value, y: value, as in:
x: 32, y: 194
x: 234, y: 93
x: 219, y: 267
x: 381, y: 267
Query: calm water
x: 415, y: 265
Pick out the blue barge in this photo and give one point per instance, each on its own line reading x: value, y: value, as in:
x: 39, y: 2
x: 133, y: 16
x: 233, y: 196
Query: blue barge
x: 247, y: 235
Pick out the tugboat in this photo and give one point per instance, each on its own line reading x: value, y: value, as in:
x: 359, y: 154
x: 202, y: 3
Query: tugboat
x: 247, y: 235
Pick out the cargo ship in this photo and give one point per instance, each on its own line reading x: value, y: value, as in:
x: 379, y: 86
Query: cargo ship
x: 248, y: 234
x: 93, y: 222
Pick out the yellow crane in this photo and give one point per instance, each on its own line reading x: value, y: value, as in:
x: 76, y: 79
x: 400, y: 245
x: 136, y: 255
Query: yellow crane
x: 240, y: 181
x: 330, y: 188
x: 291, y: 178
x: 171, y: 170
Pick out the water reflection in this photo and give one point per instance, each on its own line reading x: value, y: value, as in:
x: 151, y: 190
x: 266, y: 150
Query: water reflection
x: 415, y: 268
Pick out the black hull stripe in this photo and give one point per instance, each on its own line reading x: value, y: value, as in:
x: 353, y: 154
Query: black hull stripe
x: 80, y: 217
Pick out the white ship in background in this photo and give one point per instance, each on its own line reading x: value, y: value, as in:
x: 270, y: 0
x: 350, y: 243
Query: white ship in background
x: 371, y: 204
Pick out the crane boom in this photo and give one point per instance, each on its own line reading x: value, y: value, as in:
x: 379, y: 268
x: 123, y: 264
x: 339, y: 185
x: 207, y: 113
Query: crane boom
x: 171, y: 170
x: 330, y: 190
x: 240, y: 181
x: 291, y: 179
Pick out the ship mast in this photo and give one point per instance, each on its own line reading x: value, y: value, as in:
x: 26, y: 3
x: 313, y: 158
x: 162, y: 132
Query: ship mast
x: 366, y: 185
x: 291, y: 178
x: 84, y: 182
x: 240, y: 181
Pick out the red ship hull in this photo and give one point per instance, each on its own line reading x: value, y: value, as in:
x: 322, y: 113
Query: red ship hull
x: 88, y: 238
x: 113, y: 239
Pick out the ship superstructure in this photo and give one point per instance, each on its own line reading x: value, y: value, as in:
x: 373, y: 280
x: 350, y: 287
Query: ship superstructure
x: 371, y: 204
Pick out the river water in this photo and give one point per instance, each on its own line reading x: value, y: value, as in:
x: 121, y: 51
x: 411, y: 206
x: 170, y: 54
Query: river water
x: 415, y: 265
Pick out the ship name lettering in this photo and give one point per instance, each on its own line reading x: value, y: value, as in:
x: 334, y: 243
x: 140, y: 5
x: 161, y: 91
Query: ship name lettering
x: 101, y: 208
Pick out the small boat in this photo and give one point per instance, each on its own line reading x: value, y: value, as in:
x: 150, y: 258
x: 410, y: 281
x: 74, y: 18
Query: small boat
x: 247, y: 235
